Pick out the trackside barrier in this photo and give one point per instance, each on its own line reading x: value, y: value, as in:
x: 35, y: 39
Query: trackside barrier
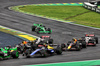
x: 91, y: 7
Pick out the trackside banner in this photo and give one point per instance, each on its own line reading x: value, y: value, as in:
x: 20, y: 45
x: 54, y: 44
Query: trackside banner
x: 91, y: 7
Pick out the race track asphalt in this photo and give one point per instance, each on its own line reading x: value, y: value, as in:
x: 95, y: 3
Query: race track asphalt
x: 62, y: 33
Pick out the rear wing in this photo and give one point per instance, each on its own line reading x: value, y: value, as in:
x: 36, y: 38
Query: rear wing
x: 89, y: 35
x: 45, y: 36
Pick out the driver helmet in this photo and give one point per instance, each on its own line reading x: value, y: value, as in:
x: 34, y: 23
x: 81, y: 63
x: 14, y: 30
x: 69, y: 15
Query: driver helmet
x: 45, y: 45
x: 36, y: 39
x: 73, y: 39
x: 24, y: 42
x: 80, y: 38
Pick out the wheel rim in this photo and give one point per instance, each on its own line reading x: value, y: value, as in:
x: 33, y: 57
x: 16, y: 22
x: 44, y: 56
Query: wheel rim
x: 17, y: 54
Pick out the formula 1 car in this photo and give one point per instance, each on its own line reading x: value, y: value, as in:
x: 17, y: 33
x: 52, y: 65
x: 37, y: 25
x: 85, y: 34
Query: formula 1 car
x: 22, y: 47
x: 8, y: 52
x: 31, y: 45
x: 90, y: 39
x: 39, y: 28
x: 83, y: 43
x: 43, y: 50
x: 47, y: 39
x: 71, y: 46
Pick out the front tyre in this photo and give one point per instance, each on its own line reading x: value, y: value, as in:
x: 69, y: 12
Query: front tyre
x: 96, y: 39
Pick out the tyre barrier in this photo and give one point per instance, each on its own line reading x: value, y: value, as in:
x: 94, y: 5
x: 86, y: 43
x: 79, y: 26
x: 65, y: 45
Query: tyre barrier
x: 92, y: 7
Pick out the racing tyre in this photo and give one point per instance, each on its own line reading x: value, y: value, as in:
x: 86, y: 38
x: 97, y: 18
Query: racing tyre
x: 27, y: 53
x: 44, y: 27
x: 43, y: 53
x: 1, y: 54
x: 63, y: 46
x: 58, y: 50
x: 78, y: 48
x: 94, y: 44
x: 83, y: 38
x: 15, y: 54
x: 84, y: 44
x: 34, y: 46
x: 38, y: 30
x: 50, y: 41
x: 33, y: 28
x: 96, y: 38
x: 49, y: 31
x: 20, y: 50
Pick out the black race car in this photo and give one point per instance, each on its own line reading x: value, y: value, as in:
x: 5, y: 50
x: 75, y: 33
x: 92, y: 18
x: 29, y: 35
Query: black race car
x: 43, y: 50
x: 71, y: 46
x: 47, y: 39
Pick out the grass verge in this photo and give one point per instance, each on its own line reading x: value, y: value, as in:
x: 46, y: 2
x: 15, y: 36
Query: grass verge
x: 78, y: 14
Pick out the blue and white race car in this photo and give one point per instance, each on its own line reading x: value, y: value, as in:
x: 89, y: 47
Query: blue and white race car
x: 43, y: 50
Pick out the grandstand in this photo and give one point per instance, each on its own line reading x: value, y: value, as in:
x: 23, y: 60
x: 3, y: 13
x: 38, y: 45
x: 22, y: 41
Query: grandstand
x: 95, y: 2
x: 93, y: 5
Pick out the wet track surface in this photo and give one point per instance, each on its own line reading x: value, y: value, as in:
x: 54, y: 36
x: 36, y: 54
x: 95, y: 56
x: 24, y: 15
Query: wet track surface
x: 62, y: 32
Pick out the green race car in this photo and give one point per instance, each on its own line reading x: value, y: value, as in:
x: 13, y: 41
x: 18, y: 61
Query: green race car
x: 39, y: 28
x: 8, y: 52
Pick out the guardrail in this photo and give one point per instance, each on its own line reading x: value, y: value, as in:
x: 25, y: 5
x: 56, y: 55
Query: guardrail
x: 92, y: 7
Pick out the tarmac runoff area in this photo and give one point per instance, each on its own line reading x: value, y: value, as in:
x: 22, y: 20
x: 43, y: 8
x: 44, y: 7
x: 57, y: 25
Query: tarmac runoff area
x: 12, y: 37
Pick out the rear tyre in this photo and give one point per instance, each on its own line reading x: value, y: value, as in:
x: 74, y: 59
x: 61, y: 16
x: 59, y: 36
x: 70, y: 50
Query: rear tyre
x: 27, y: 53
x: 38, y: 30
x: 34, y: 46
x: 94, y: 43
x: 33, y: 28
x: 83, y: 38
x: 49, y: 31
x: 96, y: 39
x: 58, y: 50
x: 43, y: 53
x: 78, y: 48
x: 50, y: 41
x: 63, y: 46
x: 44, y: 27
x: 15, y: 54
x: 84, y: 44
